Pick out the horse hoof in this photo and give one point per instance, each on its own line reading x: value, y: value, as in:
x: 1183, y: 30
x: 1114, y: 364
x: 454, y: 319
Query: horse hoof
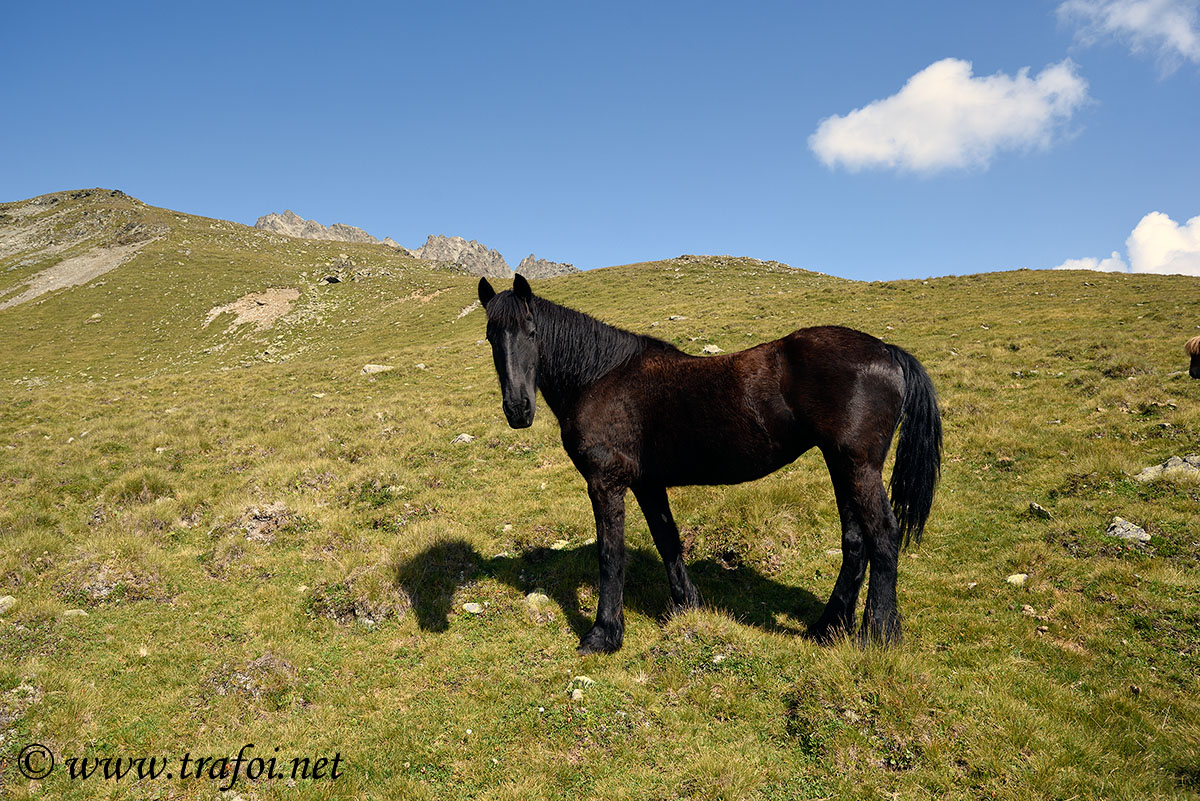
x: 691, y: 603
x: 825, y: 633
x: 883, y: 637
x: 600, y: 641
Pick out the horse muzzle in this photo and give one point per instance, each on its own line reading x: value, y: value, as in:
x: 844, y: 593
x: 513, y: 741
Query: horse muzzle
x: 519, y: 414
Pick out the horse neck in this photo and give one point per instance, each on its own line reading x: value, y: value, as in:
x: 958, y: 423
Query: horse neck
x: 575, y: 350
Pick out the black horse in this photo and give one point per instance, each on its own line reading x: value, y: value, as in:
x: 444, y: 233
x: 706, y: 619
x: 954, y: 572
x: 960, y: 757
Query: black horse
x: 637, y: 413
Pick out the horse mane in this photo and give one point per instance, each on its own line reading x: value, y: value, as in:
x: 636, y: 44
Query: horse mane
x: 1193, y: 346
x: 574, y: 348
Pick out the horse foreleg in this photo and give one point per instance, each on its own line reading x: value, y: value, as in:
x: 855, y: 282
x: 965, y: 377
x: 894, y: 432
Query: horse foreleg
x: 608, y: 632
x: 657, y: 509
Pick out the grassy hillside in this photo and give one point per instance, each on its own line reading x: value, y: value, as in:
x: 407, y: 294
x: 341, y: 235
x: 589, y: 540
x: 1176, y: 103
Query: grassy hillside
x: 218, y: 535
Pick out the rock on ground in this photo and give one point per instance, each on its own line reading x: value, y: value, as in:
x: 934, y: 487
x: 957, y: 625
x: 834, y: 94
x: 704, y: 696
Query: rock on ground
x: 372, y: 369
x: 1123, y: 529
x: 1185, y: 467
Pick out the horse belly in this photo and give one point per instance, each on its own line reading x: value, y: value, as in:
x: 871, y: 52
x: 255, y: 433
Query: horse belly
x: 691, y: 447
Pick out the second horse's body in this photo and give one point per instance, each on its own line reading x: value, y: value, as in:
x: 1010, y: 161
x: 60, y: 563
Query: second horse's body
x: 637, y: 413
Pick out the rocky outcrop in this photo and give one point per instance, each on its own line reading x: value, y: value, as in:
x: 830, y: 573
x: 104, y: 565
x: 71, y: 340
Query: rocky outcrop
x: 396, y: 246
x: 291, y: 224
x: 533, y: 267
x: 476, y: 258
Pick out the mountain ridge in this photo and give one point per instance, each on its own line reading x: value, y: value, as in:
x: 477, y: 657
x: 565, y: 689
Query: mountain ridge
x: 475, y: 257
x: 291, y: 224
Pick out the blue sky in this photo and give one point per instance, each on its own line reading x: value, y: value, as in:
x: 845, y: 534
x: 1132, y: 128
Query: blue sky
x: 1029, y: 134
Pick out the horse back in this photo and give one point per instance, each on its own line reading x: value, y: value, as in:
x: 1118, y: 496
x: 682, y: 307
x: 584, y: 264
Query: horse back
x: 674, y: 419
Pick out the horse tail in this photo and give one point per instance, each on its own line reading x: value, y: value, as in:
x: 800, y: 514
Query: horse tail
x: 918, y: 451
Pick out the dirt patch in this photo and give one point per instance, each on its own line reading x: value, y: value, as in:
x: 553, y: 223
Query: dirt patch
x: 260, y: 524
x: 92, y: 582
x: 416, y: 295
x: 268, y: 675
x: 260, y: 308
x: 75, y: 271
x: 367, y: 596
x: 13, y: 705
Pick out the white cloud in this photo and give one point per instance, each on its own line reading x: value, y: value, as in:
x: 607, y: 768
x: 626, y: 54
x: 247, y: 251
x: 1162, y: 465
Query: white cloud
x: 1158, y: 244
x: 944, y: 117
x: 1167, y: 28
x: 1113, y: 264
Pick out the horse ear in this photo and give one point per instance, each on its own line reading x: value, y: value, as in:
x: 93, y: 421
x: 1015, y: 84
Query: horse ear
x: 521, y: 288
x: 486, y: 292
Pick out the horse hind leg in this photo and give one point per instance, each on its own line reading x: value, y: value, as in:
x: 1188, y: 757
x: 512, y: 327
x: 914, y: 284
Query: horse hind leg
x: 657, y: 510
x: 838, y: 617
x: 881, y: 616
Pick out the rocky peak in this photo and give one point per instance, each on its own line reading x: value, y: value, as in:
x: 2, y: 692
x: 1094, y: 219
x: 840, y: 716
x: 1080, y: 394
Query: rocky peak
x: 291, y: 224
x: 533, y: 267
x: 476, y: 258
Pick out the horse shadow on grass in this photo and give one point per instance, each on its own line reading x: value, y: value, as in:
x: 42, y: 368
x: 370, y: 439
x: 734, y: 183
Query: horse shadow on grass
x: 432, y: 577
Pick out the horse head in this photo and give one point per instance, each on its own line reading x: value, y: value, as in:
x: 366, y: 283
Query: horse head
x: 513, y: 336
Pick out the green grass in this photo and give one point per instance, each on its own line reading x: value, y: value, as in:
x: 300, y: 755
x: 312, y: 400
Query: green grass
x: 135, y: 448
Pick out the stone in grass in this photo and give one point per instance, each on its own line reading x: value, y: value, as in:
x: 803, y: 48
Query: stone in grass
x: 1121, y: 528
x: 578, y: 685
x: 74, y: 613
x: 372, y: 369
x: 537, y: 599
x: 473, y: 608
x: 1037, y: 510
x: 7, y: 603
x: 712, y: 349
x: 461, y: 438
x: 1017, y: 579
x: 1176, y: 467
